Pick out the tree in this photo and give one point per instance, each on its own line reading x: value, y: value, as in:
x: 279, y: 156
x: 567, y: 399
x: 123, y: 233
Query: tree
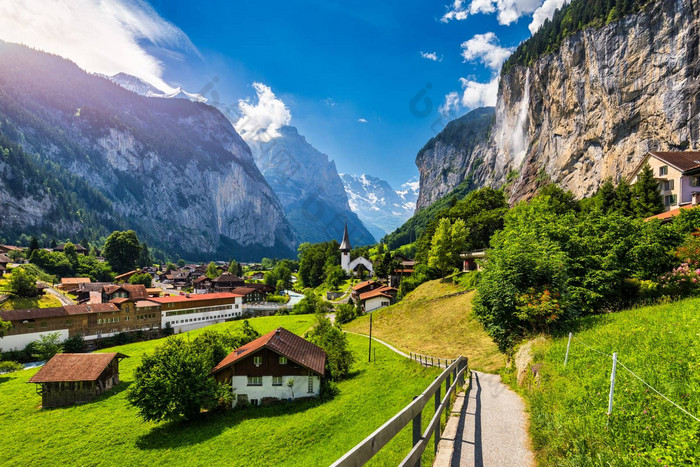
x: 53, y: 244
x: 212, y: 271
x: 334, y: 277
x: 458, y: 235
x: 47, y: 346
x: 145, y: 279
x: 345, y: 313
x: 235, y: 267
x: 173, y: 382
x: 623, y: 198
x: 181, y: 262
x: 22, y: 283
x: 646, y: 197
x: 75, y: 344
x: 333, y: 341
x: 440, y: 256
x: 4, y: 327
x: 122, y: 250
x: 33, y: 245
x: 606, y: 196
x: 71, y: 254
x: 145, y: 259
x: 290, y: 385
x: 311, y: 304
x: 170, y: 266
x: 85, y: 244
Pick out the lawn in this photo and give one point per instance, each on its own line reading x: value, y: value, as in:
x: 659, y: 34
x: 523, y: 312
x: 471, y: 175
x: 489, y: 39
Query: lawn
x: 568, y: 405
x: 109, y: 431
x: 425, y: 322
x: 44, y: 301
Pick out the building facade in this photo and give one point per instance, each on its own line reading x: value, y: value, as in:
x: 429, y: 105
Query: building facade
x: 191, y: 311
x: 678, y: 174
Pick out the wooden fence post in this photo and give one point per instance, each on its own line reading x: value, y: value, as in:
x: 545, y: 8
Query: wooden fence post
x: 566, y: 358
x: 432, y: 362
x: 417, y: 430
x: 612, y: 384
x: 437, y: 429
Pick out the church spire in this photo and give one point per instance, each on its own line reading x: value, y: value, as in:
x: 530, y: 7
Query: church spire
x: 345, y: 245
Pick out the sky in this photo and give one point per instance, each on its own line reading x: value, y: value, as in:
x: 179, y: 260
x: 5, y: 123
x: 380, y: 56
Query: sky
x: 368, y: 83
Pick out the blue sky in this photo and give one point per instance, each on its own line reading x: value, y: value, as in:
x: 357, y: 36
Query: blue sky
x: 345, y: 73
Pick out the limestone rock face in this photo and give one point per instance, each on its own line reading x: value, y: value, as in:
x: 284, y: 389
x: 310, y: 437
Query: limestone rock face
x: 592, y: 109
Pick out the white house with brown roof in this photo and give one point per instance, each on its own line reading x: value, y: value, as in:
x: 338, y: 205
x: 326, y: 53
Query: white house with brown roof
x: 678, y: 174
x: 277, y: 366
x: 377, y: 298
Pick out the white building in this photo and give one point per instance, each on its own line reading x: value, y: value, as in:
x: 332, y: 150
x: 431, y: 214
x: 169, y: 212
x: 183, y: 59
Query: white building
x: 192, y: 311
x: 345, y: 263
x: 678, y: 174
x: 277, y: 366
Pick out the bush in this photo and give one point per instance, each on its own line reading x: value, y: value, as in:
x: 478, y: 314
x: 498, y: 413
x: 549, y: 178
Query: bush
x: 75, y: 344
x: 10, y: 366
x: 167, y: 330
x: 311, y: 304
x: 681, y: 281
x: 144, y: 279
x: 345, y: 313
x: 333, y: 341
x: 47, y: 346
x: 22, y: 283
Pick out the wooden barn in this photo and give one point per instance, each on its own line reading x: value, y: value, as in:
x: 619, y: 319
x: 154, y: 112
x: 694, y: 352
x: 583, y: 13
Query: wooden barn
x: 74, y: 378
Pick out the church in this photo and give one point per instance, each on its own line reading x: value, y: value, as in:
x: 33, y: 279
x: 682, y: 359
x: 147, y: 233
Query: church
x: 350, y: 266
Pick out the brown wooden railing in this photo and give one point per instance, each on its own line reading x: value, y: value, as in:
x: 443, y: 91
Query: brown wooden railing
x: 427, y: 360
x: 453, y: 377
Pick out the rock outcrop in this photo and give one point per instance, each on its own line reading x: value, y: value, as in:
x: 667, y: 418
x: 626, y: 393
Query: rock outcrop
x: 592, y: 109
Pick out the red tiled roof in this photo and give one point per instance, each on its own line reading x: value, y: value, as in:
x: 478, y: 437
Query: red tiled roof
x: 75, y: 280
x: 381, y: 291
x: 685, y: 160
x: 92, y: 308
x: 362, y: 285
x: 134, y: 290
x: 194, y: 297
x: 32, y: 313
x: 4, y: 259
x: 285, y: 343
x: 670, y: 214
x: 74, y: 367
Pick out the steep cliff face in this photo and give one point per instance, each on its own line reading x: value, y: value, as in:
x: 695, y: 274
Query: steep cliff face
x: 592, y: 109
x: 309, y: 188
x: 175, y: 170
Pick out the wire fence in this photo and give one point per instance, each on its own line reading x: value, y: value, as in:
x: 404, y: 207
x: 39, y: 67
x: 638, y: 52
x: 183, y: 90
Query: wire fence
x: 616, y: 361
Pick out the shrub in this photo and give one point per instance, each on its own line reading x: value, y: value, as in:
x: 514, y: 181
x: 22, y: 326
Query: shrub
x: 22, y: 283
x: 10, y: 366
x: 689, y: 250
x: 311, y: 304
x: 144, y: 279
x: 683, y: 280
x: 167, y: 330
x: 75, y: 344
x: 345, y: 313
x: 333, y: 341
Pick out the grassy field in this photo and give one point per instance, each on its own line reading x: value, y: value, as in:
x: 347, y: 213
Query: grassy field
x: 423, y: 322
x: 45, y: 301
x: 568, y: 405
x: 109, y: 432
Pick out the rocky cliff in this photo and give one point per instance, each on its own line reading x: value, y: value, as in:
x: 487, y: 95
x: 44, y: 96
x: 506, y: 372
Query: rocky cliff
x: 591, y: 109
x: 175, y: 170
x: 309, y: 188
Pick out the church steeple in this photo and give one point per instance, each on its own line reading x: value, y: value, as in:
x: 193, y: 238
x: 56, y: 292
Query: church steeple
x: 345, y: 245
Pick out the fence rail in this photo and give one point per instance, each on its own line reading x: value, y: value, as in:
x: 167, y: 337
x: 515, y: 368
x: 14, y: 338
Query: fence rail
x: 427, y: 360
x: 453, y: 377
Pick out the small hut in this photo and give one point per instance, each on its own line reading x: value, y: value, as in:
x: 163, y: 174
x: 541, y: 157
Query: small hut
x: 74, y: 378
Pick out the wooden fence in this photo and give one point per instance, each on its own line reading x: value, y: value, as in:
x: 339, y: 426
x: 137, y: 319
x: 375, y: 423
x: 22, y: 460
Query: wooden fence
x: 453, y: 377
x: 427, y: 360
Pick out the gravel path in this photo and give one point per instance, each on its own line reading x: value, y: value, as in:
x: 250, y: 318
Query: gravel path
x: 490, y: 429
x: 391, y: 347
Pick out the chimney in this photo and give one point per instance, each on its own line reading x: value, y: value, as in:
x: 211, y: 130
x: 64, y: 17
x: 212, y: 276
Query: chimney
x: 277, y: 331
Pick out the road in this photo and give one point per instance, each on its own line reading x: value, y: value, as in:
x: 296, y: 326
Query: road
x: 62, y: 298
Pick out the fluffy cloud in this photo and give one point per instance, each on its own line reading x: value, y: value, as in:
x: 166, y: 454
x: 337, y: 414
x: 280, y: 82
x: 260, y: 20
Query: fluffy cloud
x: 474, y: 94
x: 362, y: 120
x: 262, y: 121
x: 486, y: 49
x: 99, y: 36
x: 431, y: 56
x: 509, y: 11
x: 544, y: 12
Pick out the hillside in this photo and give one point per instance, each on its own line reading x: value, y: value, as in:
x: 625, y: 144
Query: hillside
x: 568, y: 405
x: 428, y: 323
x: 175, y: 171
x: 109, y: 431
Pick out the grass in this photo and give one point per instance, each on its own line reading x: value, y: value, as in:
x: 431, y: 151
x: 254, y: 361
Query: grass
x: 426, y: 323
x: 109, y: 431
x: 44, y: 301
x: 568, y: 405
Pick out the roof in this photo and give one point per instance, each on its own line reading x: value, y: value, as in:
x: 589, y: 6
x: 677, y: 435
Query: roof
x: 125, y: 275
x: 75, y: 280
x: 285, y: 343
x: 682, y: 160
x: 12, y: 247
x: 345, y: 245
x: 4, y: 259
x: 194, y: 297
x: 364, y: 284
x: 74, y: 367
x: 473, y: 254
x: 146, y: 304
x: 119, y: 300
x: 670, y: 214
x: 134, y: 290
x: 199, y: 280
x: 153, y: 290
x: 244, y: 290
x: 78, y: 247
x: 381, y: 291
x: 32, y: 313
x: 227, y: 277
x: 92, y: 308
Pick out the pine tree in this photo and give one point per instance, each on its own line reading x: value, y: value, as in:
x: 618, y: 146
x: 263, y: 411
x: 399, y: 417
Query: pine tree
x: 623, y: 198
x: 33, y: 245
x: 605, y: 198
x: 646, y: 199
x: 145, y: 258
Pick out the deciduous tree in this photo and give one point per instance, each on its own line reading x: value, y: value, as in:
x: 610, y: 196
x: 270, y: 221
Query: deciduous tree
x: 122, y: 250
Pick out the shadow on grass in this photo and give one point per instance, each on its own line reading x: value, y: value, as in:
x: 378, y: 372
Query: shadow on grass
x: 206, y: 426
x: 4, y: 379
x: 105, y: 395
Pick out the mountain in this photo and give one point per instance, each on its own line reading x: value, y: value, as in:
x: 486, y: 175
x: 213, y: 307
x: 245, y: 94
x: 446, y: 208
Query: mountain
x: 175, y: 171
x: 139, y: 86
x: 585, y: 98
x: 377, y: 204
x: 309, y: 188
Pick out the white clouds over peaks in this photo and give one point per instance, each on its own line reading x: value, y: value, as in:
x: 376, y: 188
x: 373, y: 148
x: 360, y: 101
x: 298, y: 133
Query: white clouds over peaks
x: 486, y: 49
x: 544, y: 12
x: 262, y: 121
x: 431, y: 56
x: 99, y: 36
x: 509, y: 11
x: 474, y: 94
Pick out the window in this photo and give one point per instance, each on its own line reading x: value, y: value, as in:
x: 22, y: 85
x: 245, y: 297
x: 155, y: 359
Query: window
x: 277, y: 381
x: 257, y: 360
x: 695, y: 181
x: 283, y: 360
x: 255, y: 402
x: 311, y: 383
x: 663, y: 170
x: 43, y: 325
x: 667, y: 185
x: 254, y: 380
x: 670, y: 200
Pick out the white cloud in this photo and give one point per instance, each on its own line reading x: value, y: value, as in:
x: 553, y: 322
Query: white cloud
x: 546, y: 11
x: 262, y: 121
x: 362, y: 120
x: 474, y: 94
x: 486, y: 49
x: 509, y: 11
x: 99, y: 36
x: 431, y: 56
